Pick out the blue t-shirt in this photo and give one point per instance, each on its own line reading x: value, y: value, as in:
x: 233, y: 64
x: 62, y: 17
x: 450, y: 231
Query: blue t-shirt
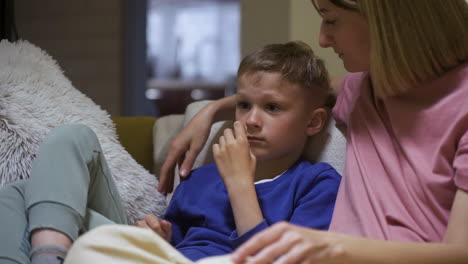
x: 203, y: 222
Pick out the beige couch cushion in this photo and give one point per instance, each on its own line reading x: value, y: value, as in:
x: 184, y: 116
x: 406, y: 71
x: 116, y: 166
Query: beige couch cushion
x: 164, y: 131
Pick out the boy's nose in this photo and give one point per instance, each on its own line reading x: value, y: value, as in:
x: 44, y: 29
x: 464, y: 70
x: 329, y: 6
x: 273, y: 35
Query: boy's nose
x: 253, y: 119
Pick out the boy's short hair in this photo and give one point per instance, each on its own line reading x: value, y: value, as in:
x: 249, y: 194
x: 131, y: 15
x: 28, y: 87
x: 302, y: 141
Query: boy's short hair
x: 297, y: 64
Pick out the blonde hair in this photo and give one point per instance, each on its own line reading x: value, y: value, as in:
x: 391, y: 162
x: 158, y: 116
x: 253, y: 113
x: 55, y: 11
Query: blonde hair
x: 412, y: 41
x: 297, y: 64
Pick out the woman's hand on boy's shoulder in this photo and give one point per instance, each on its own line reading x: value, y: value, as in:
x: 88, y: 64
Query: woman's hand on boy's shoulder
x: 184, y: 149
x: 189, y: 142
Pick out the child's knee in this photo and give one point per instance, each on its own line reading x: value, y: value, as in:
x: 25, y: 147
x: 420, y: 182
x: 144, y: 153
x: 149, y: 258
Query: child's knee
x: 71, y: 134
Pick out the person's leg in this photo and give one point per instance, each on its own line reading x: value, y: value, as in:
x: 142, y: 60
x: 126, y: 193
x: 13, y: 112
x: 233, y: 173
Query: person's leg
x: 68, y: 178
x: 120, y: 244
x: 14, y: 235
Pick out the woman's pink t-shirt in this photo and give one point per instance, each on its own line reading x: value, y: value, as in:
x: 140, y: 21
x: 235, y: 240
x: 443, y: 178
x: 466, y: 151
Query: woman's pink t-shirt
x: 406, y: 157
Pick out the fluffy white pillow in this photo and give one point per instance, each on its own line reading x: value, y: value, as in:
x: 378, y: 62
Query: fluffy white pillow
x: 35, y: 96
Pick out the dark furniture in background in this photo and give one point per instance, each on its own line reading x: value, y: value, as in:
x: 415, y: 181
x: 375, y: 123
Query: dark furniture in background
x: 7, y: 21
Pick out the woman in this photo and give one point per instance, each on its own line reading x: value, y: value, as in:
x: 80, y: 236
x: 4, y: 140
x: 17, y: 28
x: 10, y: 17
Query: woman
x: 404, y: 192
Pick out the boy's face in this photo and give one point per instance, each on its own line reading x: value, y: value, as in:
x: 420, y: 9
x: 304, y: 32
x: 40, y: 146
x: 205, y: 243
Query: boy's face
x: 276, y: 115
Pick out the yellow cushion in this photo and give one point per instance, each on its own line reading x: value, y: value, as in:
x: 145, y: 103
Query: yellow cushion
x: 136, y: 136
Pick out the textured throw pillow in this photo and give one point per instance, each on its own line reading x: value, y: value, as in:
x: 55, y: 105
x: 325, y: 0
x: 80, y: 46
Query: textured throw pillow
x: 35, y: 97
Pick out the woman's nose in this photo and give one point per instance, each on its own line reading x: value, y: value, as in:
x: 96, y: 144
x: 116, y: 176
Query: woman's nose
x: 325, y: 38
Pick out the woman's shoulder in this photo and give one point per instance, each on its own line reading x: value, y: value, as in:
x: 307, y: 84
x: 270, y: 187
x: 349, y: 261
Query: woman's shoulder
x: 350, y: 89
x: 456, y: 77
x: 459, y: 75
x: 451, y: 86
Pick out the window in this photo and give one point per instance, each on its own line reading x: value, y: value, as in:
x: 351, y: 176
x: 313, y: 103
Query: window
x: 192, y: 44
x: 196, y: 40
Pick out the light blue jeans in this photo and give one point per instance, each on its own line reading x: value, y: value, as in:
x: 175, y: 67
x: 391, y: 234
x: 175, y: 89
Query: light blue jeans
x: 70, y: 189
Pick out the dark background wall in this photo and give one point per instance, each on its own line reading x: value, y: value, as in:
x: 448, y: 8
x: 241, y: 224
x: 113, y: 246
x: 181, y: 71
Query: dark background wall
x: 85, y: 37
x: 7, y: 25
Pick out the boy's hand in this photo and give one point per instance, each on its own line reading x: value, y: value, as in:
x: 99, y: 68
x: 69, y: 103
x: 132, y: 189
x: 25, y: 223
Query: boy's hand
x: 236, y: 165
x: 233, y: 158
x: 162, y: 228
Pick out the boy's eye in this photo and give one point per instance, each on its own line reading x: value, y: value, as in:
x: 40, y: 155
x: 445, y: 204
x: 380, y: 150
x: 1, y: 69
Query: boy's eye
x: 242, y: 105
x: 272, y: 107
x: 329, y: 22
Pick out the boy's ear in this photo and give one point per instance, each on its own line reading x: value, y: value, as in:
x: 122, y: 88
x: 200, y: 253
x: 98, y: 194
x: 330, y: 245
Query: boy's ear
x: 317, y: 121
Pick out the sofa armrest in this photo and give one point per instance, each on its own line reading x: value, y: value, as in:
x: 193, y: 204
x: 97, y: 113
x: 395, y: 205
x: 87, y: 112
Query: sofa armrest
x: 136, y: 136
x: 164, y: 132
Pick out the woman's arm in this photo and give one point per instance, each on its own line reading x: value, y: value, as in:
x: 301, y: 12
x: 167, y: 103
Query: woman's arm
x: 302, y: 245
x: 188, y: 143
x: 457, y: 229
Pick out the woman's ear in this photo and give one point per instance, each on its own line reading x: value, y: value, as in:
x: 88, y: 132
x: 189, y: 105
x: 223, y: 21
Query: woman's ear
x: 317, y: 121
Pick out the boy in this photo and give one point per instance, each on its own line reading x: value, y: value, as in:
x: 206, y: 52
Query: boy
x: 259, y: 177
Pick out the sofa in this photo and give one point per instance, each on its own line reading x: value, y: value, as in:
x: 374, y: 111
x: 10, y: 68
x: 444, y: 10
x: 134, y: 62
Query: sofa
x: 136, y: 136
